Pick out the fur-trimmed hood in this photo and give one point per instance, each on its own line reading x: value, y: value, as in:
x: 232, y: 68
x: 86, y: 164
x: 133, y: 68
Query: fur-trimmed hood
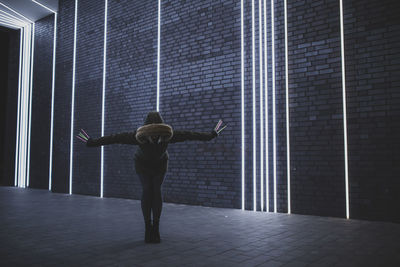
x: 162, y: 130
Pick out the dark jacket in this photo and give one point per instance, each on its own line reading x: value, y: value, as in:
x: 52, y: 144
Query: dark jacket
x: 151, y: 158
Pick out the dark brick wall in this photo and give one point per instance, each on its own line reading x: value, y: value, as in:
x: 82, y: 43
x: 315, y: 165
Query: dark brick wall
x: 88, y: 95
x: 10, y: 123
x: 41, y: 103
x: 62, y: 97
x: 372, y: 36
x: 131, y: 87
x: 316, y: 114
x: 200, y: 83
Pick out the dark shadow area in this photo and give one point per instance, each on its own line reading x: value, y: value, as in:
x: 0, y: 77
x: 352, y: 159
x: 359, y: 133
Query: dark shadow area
x: 5, y: 39
x: 9, y: 62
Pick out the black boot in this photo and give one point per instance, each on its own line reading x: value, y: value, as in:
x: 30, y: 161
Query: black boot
x: 148, y: 234
x: 155, y: 237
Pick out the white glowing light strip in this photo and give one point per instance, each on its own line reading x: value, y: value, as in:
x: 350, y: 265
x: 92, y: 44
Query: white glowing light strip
x: 20, y: 140
x: 287, y: 111
x: 242, y: 95
x: 261, y: 108
x: 158, y: 54
x: 11, y: 16
x: 49, y: 9
x: 73, y: 100
x: 11, y: 21
x: 266, y: 108
x: 22, y: 161
x: 21, y: 173
x: 10, y: 25
x: 254, y: 109
x: 18, y: 109
x: 52, y: 100
x: 26, y: 105
x: 32, y: 52
x: 103, y: 97
x: 273, y: 98
x: 9, y: 8
x: 346, y: 173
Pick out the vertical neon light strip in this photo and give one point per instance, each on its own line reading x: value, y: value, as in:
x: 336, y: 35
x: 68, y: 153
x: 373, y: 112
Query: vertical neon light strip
x: 21, y: 129
x: 287, y: 111
x: 242, y: 95
x: 261, y: 107
x: 22, y: 161
x: 266, y: 109
x: 254, y: 108
x: 346, y: 173
x: 32, y: 52
x: 103, y: 97
x: 52, y: 99
x: 73, y: 99
x: 273, y: 98
x: 158, y: 54
x: 18, y: 109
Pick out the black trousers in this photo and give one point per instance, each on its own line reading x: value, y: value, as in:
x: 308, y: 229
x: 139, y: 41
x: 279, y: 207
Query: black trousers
x: 151, y: 195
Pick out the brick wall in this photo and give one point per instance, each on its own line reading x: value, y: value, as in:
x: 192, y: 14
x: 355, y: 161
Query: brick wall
x: 200, y: 83
x: 62, y: 97
x: 373, y: 82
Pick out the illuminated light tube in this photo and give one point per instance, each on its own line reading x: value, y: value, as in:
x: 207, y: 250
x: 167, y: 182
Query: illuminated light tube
x: 40, y: 4
x: 103, y: 97
x: 287, y: 111
x: 18, y: 109
x: 242, y: 97
x: 22, y: 159
x: 158, y: 54
x: 346, y: 172
x: 9, y: 25
x: 26, y: 105
x: 266, y: 109
x: 9, y: 8
x: 11, y: 21
x: 273, y: 99
x: 254, y: 110
x: 73, y: 100
x: 21, y: 172
x: 52, y: 100
x: 11, y: 16
x: 32, y: 52
x: 19, y: 132
x: 261, y: 107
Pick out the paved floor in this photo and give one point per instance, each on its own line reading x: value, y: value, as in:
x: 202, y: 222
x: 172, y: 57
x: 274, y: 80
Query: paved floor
x: 39, y: 228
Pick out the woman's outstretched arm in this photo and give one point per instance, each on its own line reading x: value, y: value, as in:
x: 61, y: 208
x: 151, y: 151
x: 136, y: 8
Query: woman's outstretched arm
x: 181, y: 136
x: 121, y: 138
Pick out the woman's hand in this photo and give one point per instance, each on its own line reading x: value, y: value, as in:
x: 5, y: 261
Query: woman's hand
x: 83, y: 136
x: 217, y: 130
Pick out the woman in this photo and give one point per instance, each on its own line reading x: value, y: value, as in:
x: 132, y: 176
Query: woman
x: 151, y: 161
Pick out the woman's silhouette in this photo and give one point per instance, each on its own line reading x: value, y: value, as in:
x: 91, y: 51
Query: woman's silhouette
x: 151, y: 161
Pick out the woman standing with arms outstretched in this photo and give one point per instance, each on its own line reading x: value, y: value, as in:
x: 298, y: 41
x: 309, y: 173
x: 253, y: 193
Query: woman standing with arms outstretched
x: 151, y: 161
